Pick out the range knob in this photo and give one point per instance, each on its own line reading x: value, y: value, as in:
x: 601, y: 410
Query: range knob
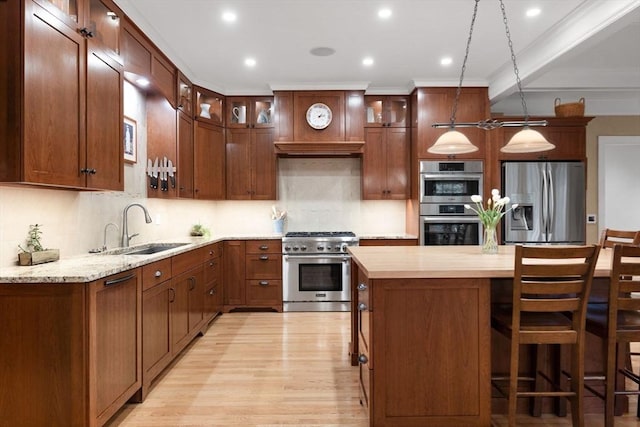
x: 303, y: 248
x: 320, y: 248
x: 287, y: 248
x: 295, y: 248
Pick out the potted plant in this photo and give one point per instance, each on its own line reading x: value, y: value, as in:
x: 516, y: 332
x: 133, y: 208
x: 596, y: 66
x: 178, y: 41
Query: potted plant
x: 35, y: 253
x: 199, y: 230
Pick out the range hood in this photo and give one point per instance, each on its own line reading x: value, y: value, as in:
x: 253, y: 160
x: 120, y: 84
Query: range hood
x: 318, y: 148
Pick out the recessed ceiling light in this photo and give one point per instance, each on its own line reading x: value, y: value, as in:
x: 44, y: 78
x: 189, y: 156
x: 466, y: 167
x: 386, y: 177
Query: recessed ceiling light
x: 384, y: 13
x: 143, y: 82
x: 322, y: 51
x: 533, y: 12
x: 250, y: 62
x: 367, y: 62
x: 446, y: 61
x: 229, y: 16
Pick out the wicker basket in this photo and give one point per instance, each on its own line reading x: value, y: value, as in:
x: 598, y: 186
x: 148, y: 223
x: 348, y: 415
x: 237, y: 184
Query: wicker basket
x: 571, y: 109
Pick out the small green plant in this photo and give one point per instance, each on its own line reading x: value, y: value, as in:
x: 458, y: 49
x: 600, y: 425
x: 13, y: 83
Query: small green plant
x: 199, y: 230
x: 33, y: 241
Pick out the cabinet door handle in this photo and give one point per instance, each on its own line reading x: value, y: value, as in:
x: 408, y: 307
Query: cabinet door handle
x: 158, y: 273
x: 118, y: 280
x: 362, y: 306
x: 212, y: 264
x: 363, y: 359
x: 362, y: 287
x: 212, y: 291
x: 264, y: 257
x: 192, y: 280
x: 263, y: 283
x: 264, y: 247
x: 172, y: 295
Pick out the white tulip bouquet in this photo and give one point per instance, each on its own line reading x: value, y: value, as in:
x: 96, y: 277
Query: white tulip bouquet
x: 494, y: 211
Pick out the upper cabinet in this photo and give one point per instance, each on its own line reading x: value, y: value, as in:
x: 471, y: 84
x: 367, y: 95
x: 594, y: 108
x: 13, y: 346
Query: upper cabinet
x: 435, y: 105
x: 386, y: 111
x: 142, y: 60
x: 249, y: 112
x: 76, y: 111
x: 209, y: 106
x: 185, y: 92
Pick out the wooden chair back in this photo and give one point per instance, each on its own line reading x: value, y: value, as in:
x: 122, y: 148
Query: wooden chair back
x: 623, y: 304
x: 552, y: 280
x: 610, y: 237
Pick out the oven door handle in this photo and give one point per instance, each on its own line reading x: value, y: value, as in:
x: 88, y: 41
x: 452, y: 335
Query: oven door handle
x: 448, y: 177
x: 319, y: 256
x: 450, y: 219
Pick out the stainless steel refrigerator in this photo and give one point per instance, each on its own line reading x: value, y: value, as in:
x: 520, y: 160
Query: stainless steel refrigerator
x: 551, y: 199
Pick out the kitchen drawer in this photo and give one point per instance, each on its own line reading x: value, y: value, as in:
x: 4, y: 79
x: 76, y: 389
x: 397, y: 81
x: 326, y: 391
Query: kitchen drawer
x: 264, y: 292
x: 212, y: 251
x: 156, y: 272
x: 271, y: 246
x: 263, y: 266
x: 212, y: 270
x: 183, y: 262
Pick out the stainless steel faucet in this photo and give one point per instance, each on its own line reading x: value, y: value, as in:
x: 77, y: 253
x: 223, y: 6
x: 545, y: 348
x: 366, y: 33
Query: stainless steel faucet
x: 125, y: 228
x: 104, y: 241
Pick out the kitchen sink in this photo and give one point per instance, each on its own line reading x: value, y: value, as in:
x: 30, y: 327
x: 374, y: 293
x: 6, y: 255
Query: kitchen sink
x: 147, y: 249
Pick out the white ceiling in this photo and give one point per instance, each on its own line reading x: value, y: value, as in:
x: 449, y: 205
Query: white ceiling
x: 573, y: 49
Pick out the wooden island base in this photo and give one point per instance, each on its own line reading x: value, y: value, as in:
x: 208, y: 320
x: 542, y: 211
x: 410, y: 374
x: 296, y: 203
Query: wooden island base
x: 421, y: 332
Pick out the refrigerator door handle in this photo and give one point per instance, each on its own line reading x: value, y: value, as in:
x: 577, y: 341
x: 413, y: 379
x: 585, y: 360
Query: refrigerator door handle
x: 545, y: 201
x: 551, y: 206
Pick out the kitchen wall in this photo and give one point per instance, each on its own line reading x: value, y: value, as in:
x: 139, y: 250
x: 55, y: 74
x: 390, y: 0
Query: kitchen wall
x: 318, y: 194
x: 604, y: 126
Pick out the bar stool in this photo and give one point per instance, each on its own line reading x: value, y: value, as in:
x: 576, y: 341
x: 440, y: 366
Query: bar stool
x: 618, y: 323
x: 551, y: 287
x: 610, y: 237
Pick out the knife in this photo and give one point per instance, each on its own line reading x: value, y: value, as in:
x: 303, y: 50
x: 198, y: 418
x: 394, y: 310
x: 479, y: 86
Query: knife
x: 171, y: 175
x: 154, y: 172
x: 165, y: 183
x: 149, y: 167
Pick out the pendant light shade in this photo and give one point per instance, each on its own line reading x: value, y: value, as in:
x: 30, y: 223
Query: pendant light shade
x: 452, y: 142
x: 527, y: 141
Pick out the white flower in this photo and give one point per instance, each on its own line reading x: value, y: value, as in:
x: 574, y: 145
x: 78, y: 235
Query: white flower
x: 476, y: 198
x: 467, y: 206
x: 495, y: 192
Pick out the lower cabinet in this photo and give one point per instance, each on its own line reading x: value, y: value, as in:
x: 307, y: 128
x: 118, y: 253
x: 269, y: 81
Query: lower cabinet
x: 186, y: 307
x: 253, y: 274
x: 74, y: 349
x: 213, y: 281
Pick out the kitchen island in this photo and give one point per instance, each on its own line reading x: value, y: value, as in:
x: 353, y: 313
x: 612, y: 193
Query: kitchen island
x: 421, y: 331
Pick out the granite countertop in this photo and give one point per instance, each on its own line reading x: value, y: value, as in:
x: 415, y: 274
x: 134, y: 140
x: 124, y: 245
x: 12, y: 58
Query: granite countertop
x: 386, y: 236
x: 90, y: 267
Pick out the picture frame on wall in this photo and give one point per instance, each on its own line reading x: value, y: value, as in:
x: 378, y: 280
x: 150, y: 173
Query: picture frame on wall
x: 130, y: 140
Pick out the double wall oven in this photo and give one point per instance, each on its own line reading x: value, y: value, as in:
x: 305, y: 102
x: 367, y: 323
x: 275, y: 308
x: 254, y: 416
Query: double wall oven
x: 316, y: 271
x: 445, y: 187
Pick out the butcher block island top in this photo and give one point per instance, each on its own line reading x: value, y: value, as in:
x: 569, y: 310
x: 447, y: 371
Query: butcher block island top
x: 445, y: 262
x: 421, y: 331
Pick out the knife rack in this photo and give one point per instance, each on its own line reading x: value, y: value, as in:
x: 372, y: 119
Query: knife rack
x: 161, y: 173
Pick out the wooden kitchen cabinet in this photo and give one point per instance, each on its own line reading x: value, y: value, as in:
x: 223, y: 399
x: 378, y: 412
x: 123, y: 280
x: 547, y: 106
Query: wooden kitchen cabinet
x: 249, y: 112
x: 213, y: 289
x: 187, y: 301
x: 386, y: 111
x: 185, y: 94
x: 253, y: 274
x: 73, y: 348
x: 76, y: 111
x: 250, y: 164
x: 209, y: 106
x: 156, y: 324
x: 209, y: 177
x: 385, y: 164
x: 185, y: 147
x: 435, y: 106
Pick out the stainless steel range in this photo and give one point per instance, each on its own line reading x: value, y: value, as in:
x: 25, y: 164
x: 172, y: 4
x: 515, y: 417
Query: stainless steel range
x: 316, y: 271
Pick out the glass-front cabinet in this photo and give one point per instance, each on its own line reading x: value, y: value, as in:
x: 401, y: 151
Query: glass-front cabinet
x: 209, y: 106
x: 250, y: 112
x: 386, y: 111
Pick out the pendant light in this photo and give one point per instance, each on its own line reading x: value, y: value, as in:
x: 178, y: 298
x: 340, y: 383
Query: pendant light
x: 525, y: 141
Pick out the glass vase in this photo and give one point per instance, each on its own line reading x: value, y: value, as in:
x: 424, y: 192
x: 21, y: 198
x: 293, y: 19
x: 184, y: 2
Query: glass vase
x: 490, y: 243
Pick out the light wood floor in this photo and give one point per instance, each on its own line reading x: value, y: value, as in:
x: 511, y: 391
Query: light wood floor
x: 272, y: 369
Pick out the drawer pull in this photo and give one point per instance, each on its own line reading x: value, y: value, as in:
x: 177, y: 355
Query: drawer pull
x: 158, y: 273
x: 264, y: 257
x: 363, y: 359
x: 263, y: 283
x: 118, y: 280
x: 212, y: 264
x: 362, y: 287
x: 264, y: 247
x: 362, y: 306
x: 212, y: 291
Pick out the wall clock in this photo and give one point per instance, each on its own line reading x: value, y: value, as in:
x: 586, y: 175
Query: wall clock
x: 319, y: 116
